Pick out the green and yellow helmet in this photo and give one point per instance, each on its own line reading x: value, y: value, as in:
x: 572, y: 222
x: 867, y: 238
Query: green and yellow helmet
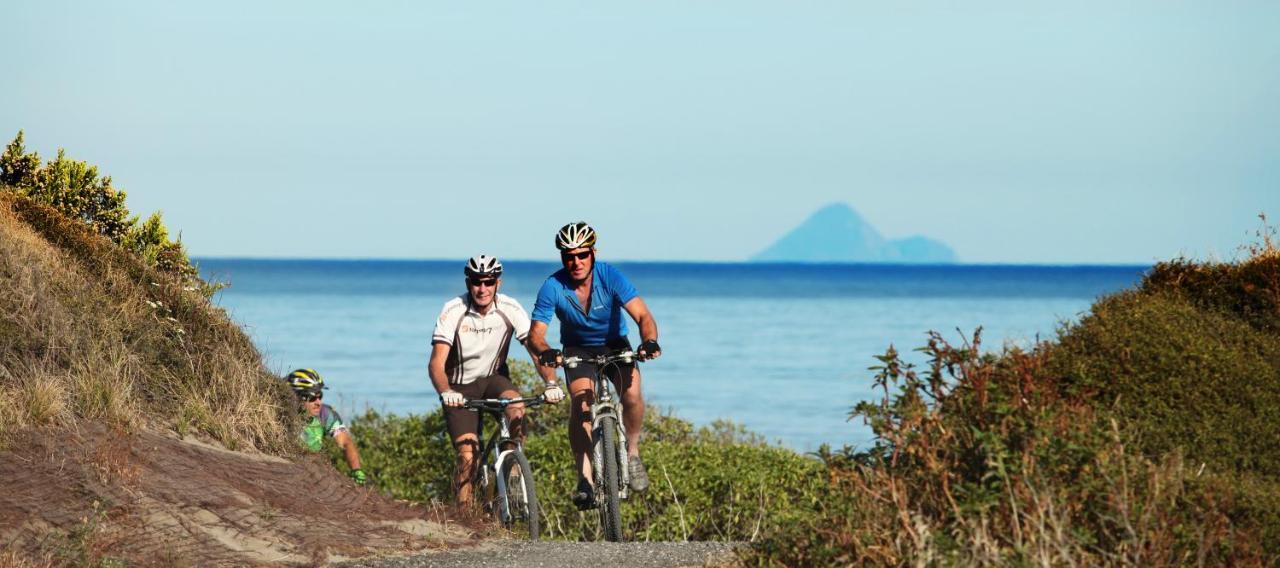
x: 305, y: 381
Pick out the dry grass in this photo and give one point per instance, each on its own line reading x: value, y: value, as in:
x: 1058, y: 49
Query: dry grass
x: 1266, y: 246
x: 89, y: 332
x: 105, y: 389
x: 12, y: 558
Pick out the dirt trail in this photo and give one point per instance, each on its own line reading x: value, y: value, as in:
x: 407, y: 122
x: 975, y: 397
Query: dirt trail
x: 152, y: 499
x: 569, y: 555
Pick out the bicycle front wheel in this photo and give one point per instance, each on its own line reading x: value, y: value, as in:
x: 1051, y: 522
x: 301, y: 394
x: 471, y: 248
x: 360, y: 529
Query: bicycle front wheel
x: 608, y: 479
x: 522, y: 498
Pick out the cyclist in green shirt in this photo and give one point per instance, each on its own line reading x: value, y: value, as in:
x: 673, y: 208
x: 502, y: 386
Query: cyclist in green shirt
x: 322, y: 420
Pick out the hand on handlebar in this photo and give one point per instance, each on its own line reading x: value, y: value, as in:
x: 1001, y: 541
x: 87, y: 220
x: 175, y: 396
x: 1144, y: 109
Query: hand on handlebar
x: 550, y: 358
x: 452, y: 398
x: 553, y: 394
x: 649, y: 349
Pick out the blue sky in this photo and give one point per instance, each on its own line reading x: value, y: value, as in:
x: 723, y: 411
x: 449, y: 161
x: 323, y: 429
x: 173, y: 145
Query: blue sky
x: 1016, y: 132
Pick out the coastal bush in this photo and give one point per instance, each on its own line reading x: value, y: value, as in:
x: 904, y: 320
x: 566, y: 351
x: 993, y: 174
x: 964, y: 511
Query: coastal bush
x: 1248, y: 290
x: 986, y: 459
x: 76, y: 190
x: 1180, y: 378
x: 1144, y: 435
x: 711, y: 483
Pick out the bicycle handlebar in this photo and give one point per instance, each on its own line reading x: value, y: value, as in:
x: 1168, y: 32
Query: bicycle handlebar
x: 496, y: 404
x: 625, y: 356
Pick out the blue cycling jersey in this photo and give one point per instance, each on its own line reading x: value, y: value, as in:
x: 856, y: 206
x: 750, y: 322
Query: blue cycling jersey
x: 580, y: 327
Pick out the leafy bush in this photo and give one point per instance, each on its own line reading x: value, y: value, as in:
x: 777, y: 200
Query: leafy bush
x: 1180, y: 378
x: 716, y: 483
x: 986, y: 459
x: 76, y: 190
x: 1145, y: 435
x: 1248, y: 290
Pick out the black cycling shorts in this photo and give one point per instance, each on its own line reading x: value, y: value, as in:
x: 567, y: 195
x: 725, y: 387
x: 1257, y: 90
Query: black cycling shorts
x: 460, y: 420
x: 621, y: 373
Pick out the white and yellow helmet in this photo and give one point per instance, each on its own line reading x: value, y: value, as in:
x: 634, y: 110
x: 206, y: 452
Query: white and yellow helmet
x: 576, y: 235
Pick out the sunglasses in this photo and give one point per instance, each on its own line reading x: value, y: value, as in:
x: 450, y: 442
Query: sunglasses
x: 312, y: 397
x: 486, y: 282
x: 568, y: 256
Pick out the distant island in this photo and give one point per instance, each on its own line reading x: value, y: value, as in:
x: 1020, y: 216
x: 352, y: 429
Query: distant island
x: 837, y: 233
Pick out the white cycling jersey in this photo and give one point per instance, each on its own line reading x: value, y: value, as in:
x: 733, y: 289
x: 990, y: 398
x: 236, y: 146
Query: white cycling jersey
x: 479, y: 343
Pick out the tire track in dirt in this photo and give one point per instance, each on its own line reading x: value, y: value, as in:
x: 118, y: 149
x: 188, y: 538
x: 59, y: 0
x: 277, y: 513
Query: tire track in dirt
x: 153, y: 499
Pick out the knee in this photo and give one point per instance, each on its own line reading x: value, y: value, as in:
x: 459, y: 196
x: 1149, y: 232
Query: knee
x: 582, y: 402
x: 632, y: 396
x: 467, y: 449
x: 578, y: 416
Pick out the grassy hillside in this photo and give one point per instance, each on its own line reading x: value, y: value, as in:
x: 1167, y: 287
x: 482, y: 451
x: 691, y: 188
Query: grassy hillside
x: 108, y: 346
x: 103, y: 318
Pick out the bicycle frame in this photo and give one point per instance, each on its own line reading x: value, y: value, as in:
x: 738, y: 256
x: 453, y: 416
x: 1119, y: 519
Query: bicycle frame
x: 611, y: 471
x: 607, y: 405
x: 502, y: 437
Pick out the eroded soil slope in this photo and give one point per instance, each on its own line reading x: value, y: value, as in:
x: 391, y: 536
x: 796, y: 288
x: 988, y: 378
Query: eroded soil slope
x: 151, y: 498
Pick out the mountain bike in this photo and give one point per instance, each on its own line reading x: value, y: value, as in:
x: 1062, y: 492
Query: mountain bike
x: 608, y: 440
x: 505, y: 478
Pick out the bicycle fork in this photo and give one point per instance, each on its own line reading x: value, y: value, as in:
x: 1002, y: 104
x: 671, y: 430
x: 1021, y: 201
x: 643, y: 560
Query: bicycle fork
x: 500, y: 481
x: 598, y: 412
x: 500, y: 485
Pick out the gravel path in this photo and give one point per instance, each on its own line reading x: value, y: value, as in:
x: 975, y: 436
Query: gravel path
x: 569, y: 554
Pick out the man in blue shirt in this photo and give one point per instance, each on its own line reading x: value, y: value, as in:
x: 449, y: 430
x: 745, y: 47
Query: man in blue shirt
x: 588, y: 297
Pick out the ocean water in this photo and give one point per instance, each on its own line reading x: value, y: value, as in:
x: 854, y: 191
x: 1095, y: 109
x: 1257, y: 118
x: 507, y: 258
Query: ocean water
x: 782, y: 349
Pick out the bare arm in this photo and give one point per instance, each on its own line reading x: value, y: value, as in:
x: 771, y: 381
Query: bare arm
x: 548, y: 374
x: 435, y: 368
x: 348, y: 445
x: 639, y: 311
x: 537, y: 340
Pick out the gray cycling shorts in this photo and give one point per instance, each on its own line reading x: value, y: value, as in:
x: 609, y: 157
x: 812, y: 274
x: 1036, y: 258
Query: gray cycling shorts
x: 621, y: 375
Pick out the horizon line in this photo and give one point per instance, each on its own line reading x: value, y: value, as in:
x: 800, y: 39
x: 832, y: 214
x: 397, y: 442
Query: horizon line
x: 685, y: 261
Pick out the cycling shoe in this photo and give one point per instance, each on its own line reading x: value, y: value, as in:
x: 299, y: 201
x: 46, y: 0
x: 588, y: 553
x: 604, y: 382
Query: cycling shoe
x: 584, y: 497
x: 639, y: 477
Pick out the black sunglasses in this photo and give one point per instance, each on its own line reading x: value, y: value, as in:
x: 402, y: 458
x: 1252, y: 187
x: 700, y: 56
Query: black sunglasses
x: 312, y: 397
x: 567, y: 256
x: 477, y: 282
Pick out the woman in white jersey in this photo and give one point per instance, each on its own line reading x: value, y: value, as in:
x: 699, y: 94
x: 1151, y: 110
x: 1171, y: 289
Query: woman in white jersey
x: 469, y: 360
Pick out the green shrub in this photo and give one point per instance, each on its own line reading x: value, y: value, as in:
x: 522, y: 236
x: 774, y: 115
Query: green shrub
x: 1249, y: 290
x: 1145, y: 435
x: 989, y: 459
x: 76, y: 190
x: 1180, y: 378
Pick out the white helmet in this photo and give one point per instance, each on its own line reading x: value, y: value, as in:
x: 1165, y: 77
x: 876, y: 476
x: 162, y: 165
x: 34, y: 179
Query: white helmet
x: 483, y: 265
x: 575, y: 235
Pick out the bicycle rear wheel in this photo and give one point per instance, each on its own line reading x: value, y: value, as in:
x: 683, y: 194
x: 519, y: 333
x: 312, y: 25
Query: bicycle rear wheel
x: 608, y: 479
x: 522, y: 497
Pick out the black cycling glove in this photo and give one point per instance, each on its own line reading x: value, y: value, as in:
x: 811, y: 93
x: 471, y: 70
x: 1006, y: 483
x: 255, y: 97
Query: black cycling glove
x: 648, y: 347
x: 550, y: 357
